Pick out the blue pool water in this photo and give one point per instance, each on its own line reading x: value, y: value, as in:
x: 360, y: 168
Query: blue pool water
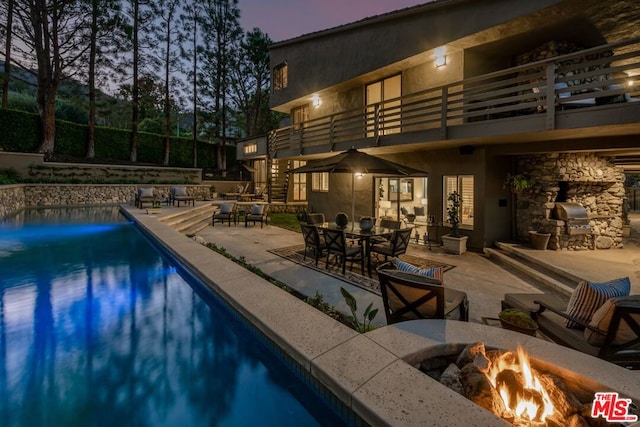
x: 99, y: 328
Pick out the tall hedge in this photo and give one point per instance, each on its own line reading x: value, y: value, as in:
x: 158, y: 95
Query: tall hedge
x: 20, y: 132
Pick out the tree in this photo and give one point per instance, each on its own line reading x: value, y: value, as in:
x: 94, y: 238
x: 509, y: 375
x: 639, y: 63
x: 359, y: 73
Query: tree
x: 250, y: 78
x: 54, y: 30
x: 222, y: 32
x: 165, y: 31
x: 190, y: 20
x: 8, y: 30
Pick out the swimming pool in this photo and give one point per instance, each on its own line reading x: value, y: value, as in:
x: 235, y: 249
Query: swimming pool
x: 98, y: 327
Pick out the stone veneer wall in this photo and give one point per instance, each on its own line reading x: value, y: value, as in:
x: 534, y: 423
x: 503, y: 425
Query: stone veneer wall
x: 592, y: 181
x: 11, y: 199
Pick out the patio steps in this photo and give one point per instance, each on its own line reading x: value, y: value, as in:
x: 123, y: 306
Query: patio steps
x: 190, y: 221
x: 540, y: 275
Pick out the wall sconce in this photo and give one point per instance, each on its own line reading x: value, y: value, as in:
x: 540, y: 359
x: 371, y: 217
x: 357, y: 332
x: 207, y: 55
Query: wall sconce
x: 315, y: 100
x: 441, y: 57
x: 359, y: 175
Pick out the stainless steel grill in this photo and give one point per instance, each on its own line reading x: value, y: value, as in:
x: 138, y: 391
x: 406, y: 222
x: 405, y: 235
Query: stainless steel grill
x: 575, y: 217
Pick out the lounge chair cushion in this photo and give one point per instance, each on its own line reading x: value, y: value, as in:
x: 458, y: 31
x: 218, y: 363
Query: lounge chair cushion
x: 589, y: 297
x: 226, y: 208
x: 179, y: 191
x: 602, y: 318
x: 433, y: 272
x: 257, y: 209
x: 145, y: 192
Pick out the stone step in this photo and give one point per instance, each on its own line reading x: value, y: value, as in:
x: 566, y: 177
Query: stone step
x: 536, y: 274
x: 195, y: 224
x: 185, y: 216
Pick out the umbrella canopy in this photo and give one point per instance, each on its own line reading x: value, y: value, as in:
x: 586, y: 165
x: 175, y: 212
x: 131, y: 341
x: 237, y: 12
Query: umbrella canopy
x: 353, y: 161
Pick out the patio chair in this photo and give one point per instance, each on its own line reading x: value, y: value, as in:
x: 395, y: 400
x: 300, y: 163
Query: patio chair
x: 227, y: 212
x: 337, y: 246
x: 409, y: 296
x: 147, y: 195
x: 315, y: 218
x: 312, y: 241
x: 259, y: 193
x: 258, y: 213
x: 396, y: 245
x: 179, y: 194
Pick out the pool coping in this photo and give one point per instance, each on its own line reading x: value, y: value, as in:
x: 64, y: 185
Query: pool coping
x: 370, y: 373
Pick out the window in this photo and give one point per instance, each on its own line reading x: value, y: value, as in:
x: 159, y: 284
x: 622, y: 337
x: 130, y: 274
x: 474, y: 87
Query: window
x: 250, y: 148
x: 300, y: 115
x: 280, y: 77
x: 463, y: 184
x: 383, y: 107
x: 299, y: 182
x: 320, y: 182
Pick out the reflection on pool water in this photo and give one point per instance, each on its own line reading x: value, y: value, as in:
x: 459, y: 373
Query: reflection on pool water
x: 98, y: 328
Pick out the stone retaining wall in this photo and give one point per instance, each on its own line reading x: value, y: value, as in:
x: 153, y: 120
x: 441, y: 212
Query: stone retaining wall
x: 589, y: 180
x: 11, y: 199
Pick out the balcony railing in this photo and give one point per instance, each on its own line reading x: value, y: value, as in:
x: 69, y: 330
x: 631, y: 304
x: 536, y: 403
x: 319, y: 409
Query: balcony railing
x: 588, y: 78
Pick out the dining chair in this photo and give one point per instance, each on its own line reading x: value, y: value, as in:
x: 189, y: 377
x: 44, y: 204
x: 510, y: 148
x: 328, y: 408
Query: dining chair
x: 396, y: 245
x: 312, y: 241
x: 337, y: 246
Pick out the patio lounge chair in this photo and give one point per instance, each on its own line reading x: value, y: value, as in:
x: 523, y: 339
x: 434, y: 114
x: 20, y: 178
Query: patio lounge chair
x: 612, y: 333
x: 228, y: 212
x: 147, y: 195
x: 259, y: 213
x: 408, y: 296
x: 179, y: 194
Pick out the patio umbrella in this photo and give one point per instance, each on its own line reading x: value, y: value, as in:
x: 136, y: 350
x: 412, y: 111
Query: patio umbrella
x: 353, y: 161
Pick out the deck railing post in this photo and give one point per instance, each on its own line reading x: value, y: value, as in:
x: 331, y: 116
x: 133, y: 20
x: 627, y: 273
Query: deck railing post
x: 551, y: 96
x: 443, y: 113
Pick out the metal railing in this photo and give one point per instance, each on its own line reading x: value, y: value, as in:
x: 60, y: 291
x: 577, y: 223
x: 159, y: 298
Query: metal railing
x: 588, y: 78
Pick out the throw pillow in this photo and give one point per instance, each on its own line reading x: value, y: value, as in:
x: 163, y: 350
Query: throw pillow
x: 602, y: 318
x: 588, y: 297
x: 432, y: 272
x: 226, y: 208
x: 145, y: 192
x: 257, y: 209
x: 404, y: 211
x: 179, y: 191
x: 418, y: 210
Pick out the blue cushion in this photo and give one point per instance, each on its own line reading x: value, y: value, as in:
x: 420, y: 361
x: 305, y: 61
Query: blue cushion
x: 226, y: 208
x: 589, y: 297
x: 433, y: 272
x: 179, y: 191
x: 145, y: 192
x: 257, y: 209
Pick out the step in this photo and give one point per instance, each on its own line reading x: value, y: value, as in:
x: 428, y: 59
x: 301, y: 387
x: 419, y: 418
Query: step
x: 529, y: 271
x: 195, y: 225
x: 511, y: 249
x: 189, y: 215
x: 172, y: 215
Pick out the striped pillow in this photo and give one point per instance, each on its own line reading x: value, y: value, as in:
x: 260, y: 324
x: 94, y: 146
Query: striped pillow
x: 433, y: 272
x: 588, y: 297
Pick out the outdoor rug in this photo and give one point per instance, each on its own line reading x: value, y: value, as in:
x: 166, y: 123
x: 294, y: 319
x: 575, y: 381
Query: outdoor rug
x: 371, y: 284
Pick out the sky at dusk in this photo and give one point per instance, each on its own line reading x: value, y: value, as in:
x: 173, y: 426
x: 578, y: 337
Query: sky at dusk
x: 286, y: 19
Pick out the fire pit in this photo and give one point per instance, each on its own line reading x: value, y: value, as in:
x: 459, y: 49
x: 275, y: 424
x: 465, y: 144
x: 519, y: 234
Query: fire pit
x: 583, y: 375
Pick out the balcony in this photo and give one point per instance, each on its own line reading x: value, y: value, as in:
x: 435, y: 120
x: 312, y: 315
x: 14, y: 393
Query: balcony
x: 550, y: 99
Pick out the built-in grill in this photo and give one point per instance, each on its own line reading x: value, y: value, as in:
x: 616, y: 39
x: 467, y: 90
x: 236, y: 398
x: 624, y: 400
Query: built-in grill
x: 575, y: 217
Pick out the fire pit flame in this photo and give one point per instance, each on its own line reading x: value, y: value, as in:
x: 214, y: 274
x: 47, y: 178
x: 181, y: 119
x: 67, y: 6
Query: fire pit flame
x: 519, y: 387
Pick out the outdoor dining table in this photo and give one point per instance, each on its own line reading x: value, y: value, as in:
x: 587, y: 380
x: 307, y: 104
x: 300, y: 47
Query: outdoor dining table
x: 353, y: 230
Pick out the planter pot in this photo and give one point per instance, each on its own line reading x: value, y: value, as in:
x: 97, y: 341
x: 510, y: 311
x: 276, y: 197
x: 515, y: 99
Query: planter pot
x: 626, y: 230
x: 539, y: 240
x: 454, y: 245
x: 342, y: 219
x: 366, y: 223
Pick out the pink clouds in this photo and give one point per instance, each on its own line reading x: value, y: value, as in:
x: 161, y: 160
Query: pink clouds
x: 285, y: 19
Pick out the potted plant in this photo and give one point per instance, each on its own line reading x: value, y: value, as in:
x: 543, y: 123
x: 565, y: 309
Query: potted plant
x: 517, y: 183
x: 539, y: 240
x: 454, y: 242
x: 517, y: 320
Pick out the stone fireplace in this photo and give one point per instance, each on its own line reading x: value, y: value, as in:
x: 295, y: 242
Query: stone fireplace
x: 592, y: 181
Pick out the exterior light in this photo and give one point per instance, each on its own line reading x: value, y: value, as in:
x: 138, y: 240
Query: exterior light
x: 315, y: 101
x: 440, y: 56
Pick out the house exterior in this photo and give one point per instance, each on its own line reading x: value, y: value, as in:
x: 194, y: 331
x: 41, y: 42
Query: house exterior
x: 470, y: 92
